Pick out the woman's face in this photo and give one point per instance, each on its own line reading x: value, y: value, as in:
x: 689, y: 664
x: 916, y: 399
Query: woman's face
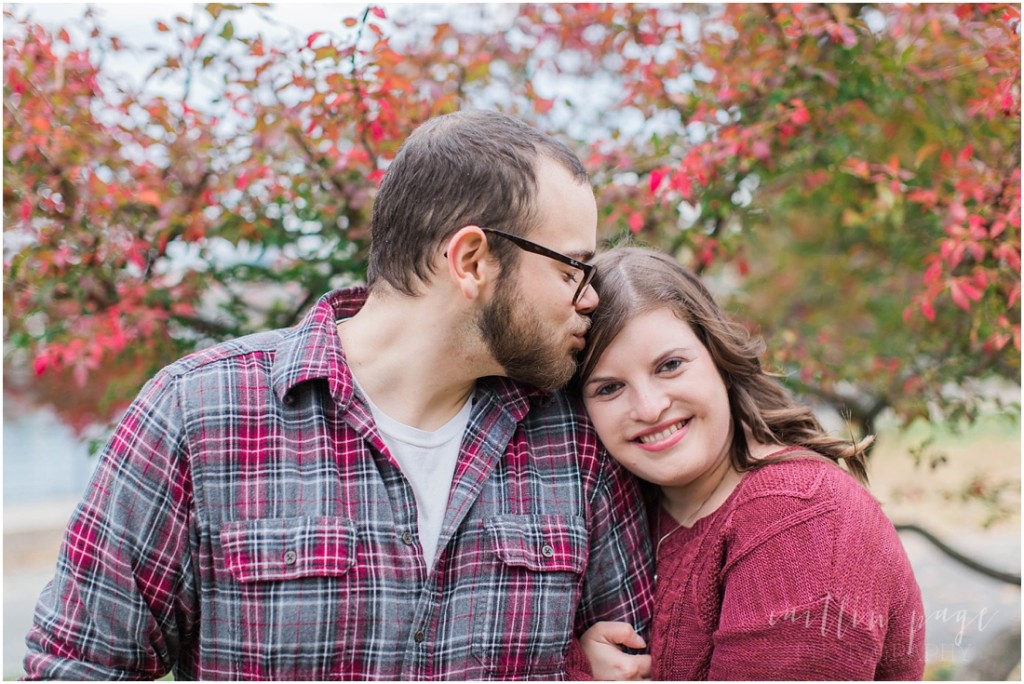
x: 659, y: 404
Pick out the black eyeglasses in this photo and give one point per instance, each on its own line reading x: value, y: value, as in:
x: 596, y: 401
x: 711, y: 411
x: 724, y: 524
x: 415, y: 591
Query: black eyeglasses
x: 523, y: 243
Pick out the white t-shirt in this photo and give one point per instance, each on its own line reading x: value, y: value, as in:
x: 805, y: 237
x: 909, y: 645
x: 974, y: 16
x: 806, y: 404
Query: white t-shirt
x: 427, y: 459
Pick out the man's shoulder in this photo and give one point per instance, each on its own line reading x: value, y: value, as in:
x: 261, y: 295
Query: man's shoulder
x: 238, y: 351
x: 299, y: 345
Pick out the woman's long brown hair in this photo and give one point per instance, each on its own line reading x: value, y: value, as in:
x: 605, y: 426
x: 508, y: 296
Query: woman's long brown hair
x: 634, y: 280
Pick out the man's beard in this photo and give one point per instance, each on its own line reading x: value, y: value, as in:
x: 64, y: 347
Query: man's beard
x: 517, y: 340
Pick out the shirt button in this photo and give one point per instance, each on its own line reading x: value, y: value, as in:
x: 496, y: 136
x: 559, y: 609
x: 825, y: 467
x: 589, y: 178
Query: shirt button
x: 547, y: 551
x: 290, y: 557
x: 419, y: 636
x: 407, y: 538
x: 289, y: 400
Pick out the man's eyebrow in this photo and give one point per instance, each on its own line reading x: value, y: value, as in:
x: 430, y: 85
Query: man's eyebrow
x: 585, y: 257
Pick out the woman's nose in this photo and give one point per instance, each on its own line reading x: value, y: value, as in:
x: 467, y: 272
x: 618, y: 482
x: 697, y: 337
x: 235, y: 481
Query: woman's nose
x: 649, y: 405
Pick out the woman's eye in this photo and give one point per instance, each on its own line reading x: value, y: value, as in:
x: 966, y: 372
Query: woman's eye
x: 571, y: 277
x: 607, y: 389
x: 670, y: 365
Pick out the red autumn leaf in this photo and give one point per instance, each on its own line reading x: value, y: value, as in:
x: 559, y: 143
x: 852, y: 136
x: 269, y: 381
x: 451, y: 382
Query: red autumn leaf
x: 761, y: 150
x: 707, y: 253
x: 41, y: 124
x: 800, y: 116
x: 312, y: 38
x: 636, y: 221
x: 857, y: 167
x: 543, y: 105
x: 40, y: 363
x: 928, y: 309
x: 927, y: 197
x: 963, y: 293
x: 655, y: 181
x: 378, y: 12
x: 682, y: 184
x: 149, y: 197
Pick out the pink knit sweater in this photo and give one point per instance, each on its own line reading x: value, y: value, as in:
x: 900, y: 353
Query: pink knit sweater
x: 798, y: 575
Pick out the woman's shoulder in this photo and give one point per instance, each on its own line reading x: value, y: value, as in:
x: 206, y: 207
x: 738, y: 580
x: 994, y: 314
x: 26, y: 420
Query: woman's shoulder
x: 792, y: 487
x: 800, y: 488
x: 798, y: 473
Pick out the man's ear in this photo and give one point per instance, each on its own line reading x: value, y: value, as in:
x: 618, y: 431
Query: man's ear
x: 470, y: 262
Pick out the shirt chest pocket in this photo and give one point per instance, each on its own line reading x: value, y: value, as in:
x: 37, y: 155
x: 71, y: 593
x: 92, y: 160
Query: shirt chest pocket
x: 288, y: 548
x: 538, y: 563
x: 286, y: 598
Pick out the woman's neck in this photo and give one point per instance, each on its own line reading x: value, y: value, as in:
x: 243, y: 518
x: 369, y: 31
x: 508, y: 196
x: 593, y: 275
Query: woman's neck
x: 689, y: 503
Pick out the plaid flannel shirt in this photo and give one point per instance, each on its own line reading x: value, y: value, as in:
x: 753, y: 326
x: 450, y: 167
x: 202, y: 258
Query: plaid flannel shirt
x: 247, y: 522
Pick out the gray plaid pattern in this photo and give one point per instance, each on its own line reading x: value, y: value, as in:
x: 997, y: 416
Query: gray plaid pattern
x: 247, y: 522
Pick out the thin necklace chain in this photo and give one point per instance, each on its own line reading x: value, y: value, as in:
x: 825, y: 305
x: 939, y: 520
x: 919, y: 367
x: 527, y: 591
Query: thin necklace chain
x: 692, y: 516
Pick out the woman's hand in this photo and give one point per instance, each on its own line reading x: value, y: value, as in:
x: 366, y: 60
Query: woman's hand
x: 603, y: 645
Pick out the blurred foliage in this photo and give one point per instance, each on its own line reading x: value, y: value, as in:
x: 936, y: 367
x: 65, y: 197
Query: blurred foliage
x: 847, y: 174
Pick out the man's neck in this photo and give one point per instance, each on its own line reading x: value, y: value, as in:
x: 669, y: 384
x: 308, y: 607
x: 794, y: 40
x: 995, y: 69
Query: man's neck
x: 417, y: 359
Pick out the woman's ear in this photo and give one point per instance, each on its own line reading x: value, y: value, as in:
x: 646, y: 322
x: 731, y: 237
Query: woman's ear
x: 471, y: 265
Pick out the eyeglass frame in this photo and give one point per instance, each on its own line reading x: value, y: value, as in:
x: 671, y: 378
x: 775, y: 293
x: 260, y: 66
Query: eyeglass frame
x: 529, y: 246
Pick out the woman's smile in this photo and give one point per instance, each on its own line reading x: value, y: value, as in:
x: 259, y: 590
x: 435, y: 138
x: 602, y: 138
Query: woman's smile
x: 663, y: 437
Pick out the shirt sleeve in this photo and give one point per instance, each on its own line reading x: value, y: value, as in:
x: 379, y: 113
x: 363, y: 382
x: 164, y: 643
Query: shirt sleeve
x: 816, y: 589
x: 119, y: 604
x: 618, y: 585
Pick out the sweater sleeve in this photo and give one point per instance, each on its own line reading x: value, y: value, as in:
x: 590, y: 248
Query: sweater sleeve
x: 816, y: 586
x: 577, y: 665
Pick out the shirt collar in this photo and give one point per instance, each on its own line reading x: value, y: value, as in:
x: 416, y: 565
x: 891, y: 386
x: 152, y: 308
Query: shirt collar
x: 312, y: 350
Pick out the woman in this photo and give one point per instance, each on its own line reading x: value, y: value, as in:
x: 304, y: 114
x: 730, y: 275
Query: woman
x: 772, y: 561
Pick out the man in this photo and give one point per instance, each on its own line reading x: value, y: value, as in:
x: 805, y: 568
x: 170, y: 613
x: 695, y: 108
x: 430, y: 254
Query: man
x: 391, y: 489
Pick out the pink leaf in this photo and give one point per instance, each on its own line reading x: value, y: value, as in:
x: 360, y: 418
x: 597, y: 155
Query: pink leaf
x: 636, y: 221
x: 959, y: 298
x: 656, y: 177
x: 928, y: 309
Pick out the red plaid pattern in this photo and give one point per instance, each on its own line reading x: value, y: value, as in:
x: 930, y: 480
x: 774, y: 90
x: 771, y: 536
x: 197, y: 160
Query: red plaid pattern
x: 247, y: 522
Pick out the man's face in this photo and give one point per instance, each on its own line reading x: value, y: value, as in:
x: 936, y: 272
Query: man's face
x: 531, y: 326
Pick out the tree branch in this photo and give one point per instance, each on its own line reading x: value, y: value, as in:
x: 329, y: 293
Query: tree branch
x: 977, y: 566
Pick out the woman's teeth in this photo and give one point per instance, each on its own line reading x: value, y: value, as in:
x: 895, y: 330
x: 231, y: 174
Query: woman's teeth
x: 658, y: 436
